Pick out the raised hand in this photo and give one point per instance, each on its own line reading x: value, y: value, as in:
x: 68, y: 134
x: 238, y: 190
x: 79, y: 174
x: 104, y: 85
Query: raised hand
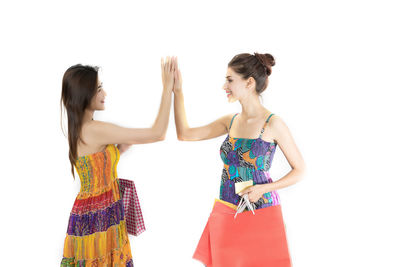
x: 167, y: 73
x: 177, y: 77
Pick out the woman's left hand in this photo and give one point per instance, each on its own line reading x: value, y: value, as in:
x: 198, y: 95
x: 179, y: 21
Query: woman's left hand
x: 167, y: 73
x: 254, y: 192
x: 177, y: 78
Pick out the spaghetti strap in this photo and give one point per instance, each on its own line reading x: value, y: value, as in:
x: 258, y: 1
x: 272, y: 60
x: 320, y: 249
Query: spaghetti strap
x: 269, y: 117
x: 265, y: 124
x: 232, y: 121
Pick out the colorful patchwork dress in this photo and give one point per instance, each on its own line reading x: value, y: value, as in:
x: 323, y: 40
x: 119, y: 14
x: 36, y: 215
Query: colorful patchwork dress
x: 97, y: 230
x: 249, y: 240
x: 247, y: 159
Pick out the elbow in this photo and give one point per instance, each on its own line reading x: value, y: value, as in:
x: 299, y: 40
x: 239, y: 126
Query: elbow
x: 184, y: 134
x: 298, y: 173
x: 158, y: 134
x: 160, y: 137
x: 302, y: 173
x: 181, y: 136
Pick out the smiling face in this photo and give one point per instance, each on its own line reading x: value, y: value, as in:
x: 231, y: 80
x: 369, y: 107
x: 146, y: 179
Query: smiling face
x: 98, y: 99
x: 236, y: 87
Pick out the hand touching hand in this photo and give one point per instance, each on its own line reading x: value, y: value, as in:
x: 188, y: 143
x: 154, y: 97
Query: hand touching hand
x: 167, y: 71
x: 177, y: 77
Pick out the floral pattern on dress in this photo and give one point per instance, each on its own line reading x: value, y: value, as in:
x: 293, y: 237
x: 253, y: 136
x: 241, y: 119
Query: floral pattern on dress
x: 247, y: 159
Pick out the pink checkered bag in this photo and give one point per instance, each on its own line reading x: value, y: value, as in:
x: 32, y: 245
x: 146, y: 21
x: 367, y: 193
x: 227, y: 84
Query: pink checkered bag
x: 132, y: 211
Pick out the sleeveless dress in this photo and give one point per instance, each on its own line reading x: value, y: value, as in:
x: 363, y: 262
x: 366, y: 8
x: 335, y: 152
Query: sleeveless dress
x: 250, y: 240
x: 97, y: 231
x: 247, y: 159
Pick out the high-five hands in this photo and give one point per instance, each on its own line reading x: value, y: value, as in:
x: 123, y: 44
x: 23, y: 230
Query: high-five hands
x: 171, y: 75
x: 177, y: 78
x: 167, y: 73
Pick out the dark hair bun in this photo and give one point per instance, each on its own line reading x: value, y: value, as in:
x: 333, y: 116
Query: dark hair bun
x: 254, y: 65
x: 267, y: 60
x: 270, y: 59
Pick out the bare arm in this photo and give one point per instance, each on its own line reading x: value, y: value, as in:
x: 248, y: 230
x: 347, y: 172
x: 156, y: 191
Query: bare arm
x: 289, y: 148
x: 109, y: 133
x: 183, y: 131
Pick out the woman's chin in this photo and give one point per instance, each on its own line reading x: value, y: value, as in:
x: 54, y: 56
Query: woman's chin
x: 231, y: 99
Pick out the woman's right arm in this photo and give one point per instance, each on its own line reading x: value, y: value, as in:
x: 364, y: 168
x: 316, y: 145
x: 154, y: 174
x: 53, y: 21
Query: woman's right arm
x: 109, y: 133
x: 183, y: 131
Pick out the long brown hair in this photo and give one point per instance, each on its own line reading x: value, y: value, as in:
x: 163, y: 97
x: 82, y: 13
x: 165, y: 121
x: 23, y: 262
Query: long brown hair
x: 258, y: 66
x: 79, y: 86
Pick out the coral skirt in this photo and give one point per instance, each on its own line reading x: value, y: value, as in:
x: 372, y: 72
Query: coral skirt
x: 248, y: 241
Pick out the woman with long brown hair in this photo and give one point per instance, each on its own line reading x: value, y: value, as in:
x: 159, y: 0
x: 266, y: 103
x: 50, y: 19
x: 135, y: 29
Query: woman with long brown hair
x: 245, y: 228
x: 97, y: 232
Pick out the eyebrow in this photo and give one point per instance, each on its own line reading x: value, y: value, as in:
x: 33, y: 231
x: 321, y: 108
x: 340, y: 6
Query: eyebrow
x: 228, y: 77
x: 100, y: 85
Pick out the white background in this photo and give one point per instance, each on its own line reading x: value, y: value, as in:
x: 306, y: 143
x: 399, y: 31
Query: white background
x: 335, y: 84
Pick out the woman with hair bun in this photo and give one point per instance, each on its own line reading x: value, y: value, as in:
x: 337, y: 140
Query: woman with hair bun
x: 97, y: 233
x: 250, y: 234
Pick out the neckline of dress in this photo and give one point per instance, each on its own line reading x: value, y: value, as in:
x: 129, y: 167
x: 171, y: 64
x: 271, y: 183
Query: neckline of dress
x: 88, y: 155
x: 229, y: 136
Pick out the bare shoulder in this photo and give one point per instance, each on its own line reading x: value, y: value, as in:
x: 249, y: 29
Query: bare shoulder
x: 276, y: 120
x: 226, y: 120
x: 90, y: 128
x: 93, y: 129
x: 276, y: 123
x: 278, y: 127
x: 100, y: 126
